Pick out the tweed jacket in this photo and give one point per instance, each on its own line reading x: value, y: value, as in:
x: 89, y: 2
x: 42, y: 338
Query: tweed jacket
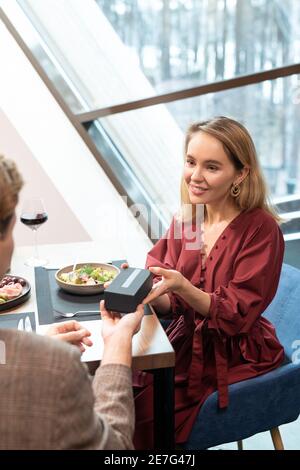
x: 48, y: 400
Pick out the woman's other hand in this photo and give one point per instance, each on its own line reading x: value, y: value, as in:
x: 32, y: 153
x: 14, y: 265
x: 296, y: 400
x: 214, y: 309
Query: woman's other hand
x: 71, y: 332
x: 172, y: 281
x: 124, y: 265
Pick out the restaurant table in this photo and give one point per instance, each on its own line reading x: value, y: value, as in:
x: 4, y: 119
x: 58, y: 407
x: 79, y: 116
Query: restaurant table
x: 151, y: 349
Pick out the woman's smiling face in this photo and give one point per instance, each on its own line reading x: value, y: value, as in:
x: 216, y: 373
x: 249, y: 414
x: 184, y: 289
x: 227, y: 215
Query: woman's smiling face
x: 208, y: 172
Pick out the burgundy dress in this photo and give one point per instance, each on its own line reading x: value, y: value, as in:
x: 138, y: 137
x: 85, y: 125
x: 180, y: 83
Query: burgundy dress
x: 234, y: 342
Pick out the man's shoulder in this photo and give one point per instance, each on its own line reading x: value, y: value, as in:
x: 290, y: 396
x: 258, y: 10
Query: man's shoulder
x: 40, y: 381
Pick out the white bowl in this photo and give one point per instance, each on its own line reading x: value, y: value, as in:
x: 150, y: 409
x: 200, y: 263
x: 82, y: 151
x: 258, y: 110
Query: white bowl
x: 83, y: 289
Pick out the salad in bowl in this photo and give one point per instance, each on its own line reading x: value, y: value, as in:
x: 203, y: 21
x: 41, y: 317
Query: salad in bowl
x: 87, y: 278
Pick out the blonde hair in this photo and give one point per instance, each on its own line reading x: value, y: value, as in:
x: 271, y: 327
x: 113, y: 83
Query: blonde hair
x: 10, y: 184
x: 240, y: 150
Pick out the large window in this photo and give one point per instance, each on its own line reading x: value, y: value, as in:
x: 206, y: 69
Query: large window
x: 183, y: 43
x: 144, y: 47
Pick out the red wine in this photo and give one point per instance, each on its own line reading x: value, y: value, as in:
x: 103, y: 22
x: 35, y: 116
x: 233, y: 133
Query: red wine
x: 34, y: 220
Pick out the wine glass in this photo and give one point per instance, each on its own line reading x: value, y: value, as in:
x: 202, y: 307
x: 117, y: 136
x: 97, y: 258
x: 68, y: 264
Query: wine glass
x: 33, y: 215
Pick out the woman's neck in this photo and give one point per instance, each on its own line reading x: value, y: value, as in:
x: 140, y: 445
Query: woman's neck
x: 215, y: 214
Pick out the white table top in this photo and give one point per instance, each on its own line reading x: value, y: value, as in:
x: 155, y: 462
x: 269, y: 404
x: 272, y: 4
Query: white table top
x: 151, y: 348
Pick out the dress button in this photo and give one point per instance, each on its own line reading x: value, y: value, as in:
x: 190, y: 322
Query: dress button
x: 201, y: 279
x: 203, y: 268
x: 223, y: 237
x: 210, y: 258
x: 217, y: 247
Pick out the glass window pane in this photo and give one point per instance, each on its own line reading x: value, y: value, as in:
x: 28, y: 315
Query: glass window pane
x: 151, y: 143
x: 153, y: 146
x: 84, y: 50
x: 114, y: 51
x: 184, y: 43
x: 271, y: 112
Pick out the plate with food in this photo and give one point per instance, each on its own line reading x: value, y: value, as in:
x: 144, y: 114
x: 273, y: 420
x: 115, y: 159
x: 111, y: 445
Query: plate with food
x: 14, y: 290
x: 87, y: 278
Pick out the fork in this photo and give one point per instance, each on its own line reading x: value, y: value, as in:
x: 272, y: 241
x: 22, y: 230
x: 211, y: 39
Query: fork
x: 72, y: 314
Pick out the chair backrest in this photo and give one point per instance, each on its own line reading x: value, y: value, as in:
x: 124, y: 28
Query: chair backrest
x: 284, y: 310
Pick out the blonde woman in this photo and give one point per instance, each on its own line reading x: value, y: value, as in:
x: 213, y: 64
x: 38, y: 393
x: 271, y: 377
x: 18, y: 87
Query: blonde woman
x: 216, y: 293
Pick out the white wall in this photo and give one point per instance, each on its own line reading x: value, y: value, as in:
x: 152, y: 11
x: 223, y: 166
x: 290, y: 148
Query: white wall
x: 63, y: 156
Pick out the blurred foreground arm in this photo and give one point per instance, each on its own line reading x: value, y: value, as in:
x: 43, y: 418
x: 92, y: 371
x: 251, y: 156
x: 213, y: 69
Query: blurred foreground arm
x: 98, y: 414
x: 113, y: 380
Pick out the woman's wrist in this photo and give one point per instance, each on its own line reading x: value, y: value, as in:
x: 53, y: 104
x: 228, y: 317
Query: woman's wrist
x: 183, y: 288
x: 162, y: 305
x: 194, y: 296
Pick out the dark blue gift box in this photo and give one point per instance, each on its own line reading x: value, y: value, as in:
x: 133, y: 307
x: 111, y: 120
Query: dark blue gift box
x: 128, y: 290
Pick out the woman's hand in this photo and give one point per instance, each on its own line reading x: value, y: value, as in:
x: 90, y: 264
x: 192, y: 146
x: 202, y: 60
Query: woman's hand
x: 71, y: 332
x: 172, y: 281
x: 113, y: 322
x: 124, y: 265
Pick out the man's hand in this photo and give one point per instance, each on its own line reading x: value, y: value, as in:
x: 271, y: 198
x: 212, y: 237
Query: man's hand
x: 71, y: 332
x: 117, y: 333
x: 172, y: 281
x: 113, y: 322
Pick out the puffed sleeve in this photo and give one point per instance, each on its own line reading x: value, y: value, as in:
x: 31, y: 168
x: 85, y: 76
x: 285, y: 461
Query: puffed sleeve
x: 166, y: 251
x: 256, y: 271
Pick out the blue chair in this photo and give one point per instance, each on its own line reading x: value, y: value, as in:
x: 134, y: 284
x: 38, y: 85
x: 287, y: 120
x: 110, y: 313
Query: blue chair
x: 262, y: 403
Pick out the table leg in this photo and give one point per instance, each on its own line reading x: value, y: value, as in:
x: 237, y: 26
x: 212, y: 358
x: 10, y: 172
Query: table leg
x: 164, y: 416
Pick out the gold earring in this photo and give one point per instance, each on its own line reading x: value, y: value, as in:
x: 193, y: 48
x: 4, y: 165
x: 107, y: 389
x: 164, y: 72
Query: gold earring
x: 235, y: 190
